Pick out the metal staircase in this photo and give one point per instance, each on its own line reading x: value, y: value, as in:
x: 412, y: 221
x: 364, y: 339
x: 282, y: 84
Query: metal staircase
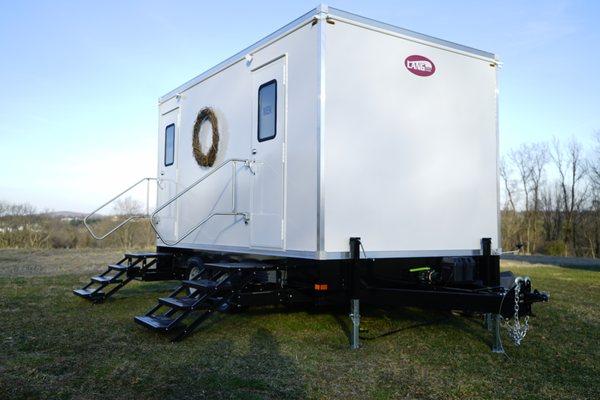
x: 143, y: 265
x: 216, y: 288
x: 130, y: 267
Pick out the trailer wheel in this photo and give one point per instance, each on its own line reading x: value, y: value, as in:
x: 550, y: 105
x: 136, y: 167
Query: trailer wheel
x: 195, y: 267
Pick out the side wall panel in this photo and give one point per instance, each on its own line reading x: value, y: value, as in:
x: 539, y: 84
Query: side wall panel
x: 410, y: 161
x: 229, y: 94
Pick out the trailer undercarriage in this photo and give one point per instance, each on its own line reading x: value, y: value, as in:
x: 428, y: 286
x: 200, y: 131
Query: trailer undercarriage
x: 212, y: 282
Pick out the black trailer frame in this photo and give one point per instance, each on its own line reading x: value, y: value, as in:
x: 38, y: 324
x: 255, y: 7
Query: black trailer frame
x: 213, y: 281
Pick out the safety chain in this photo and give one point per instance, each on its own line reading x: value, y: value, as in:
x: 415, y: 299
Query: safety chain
x: 516, y: 330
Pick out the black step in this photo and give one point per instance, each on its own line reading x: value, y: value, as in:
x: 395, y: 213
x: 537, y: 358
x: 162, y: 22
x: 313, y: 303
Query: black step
x: 208, y: 285
x: 105, y: 279
x: 246, y: 266
x: 201, y: 284
x: 145, y: 254
x: 119, y: 267
x: 181, y: 303
x: 158, y: 323
x: 88, y: 293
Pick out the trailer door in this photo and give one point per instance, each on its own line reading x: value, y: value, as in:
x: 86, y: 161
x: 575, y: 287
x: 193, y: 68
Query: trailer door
x: 268, y: 142
x: 167, y: 172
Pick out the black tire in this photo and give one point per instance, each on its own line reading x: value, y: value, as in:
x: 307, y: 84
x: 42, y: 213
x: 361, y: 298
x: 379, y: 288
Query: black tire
x: 195, y: 269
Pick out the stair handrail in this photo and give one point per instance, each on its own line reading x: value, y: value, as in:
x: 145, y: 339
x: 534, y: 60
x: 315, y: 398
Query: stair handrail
x: 233, y: 212
x: 131, y: 218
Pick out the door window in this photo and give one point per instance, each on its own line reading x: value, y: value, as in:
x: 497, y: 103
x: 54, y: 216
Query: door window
x: 267, y: 111
x: 169, y: 145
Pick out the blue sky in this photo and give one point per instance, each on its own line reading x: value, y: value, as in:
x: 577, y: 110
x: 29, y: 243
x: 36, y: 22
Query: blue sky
x: 80, y: 80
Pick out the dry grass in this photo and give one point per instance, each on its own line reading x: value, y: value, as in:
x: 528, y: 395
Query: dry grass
x: 45, y: 262
x: 59, y: 346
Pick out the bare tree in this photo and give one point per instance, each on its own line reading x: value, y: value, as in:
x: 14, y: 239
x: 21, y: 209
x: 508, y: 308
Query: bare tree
x: 592, y: 232
x: 521, y: 158
x: 509, y: 184
x: 594, y: 163
x: 128, y: 206
x: 530, y: 161
x: 552, y: 216
x: 125, y: 208
x: 16, y: 210
x: 538, y: 160
x: 511, y: 223
x: 571, y: 171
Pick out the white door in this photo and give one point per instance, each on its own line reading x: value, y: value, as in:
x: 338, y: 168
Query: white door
x: 167, y: 173
x: 268, y: 145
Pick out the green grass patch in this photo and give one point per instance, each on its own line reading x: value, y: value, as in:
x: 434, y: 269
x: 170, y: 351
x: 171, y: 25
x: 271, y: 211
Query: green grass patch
x: 58, y: 346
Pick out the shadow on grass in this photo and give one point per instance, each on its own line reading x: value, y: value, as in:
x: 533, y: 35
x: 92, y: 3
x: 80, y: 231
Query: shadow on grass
x: 410, y: 318
x: 258, y: 371
x: 397, y: 320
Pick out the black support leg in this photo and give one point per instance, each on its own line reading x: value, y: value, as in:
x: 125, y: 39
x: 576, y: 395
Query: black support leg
x: 355, y: 292
x: 490, y: 265
x: 497, y: 343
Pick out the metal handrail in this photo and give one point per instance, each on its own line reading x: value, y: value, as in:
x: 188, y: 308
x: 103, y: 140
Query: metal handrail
x: 131, y: 218
x: 233, y: 211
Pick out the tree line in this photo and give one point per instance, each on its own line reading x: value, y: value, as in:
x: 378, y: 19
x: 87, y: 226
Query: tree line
x: 551, y: 198
x: 22, y: 226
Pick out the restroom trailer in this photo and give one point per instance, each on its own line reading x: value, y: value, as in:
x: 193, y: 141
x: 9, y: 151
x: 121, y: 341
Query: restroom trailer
x: 339, y: 160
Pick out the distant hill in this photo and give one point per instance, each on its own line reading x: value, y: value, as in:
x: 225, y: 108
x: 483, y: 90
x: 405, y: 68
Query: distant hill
x: 66, y: 214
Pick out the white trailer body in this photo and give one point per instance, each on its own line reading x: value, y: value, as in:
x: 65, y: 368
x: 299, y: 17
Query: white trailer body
x: 356, y: 162
x: 379, y: 133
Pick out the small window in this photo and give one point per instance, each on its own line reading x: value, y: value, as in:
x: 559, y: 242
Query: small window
x: 267, y: 111
x: 169, y: 145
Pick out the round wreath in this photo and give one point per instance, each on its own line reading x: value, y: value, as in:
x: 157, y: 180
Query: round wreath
x: 206, y: 160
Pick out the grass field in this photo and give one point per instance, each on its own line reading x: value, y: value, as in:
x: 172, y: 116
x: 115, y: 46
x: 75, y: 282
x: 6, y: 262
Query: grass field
x: 55, y: 345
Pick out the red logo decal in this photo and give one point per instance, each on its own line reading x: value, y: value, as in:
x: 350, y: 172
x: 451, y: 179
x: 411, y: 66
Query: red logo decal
x: 419, y: 65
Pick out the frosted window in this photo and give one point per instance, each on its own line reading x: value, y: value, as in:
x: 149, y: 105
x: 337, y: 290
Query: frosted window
x: 267, y: 111
x: 169, y: 145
